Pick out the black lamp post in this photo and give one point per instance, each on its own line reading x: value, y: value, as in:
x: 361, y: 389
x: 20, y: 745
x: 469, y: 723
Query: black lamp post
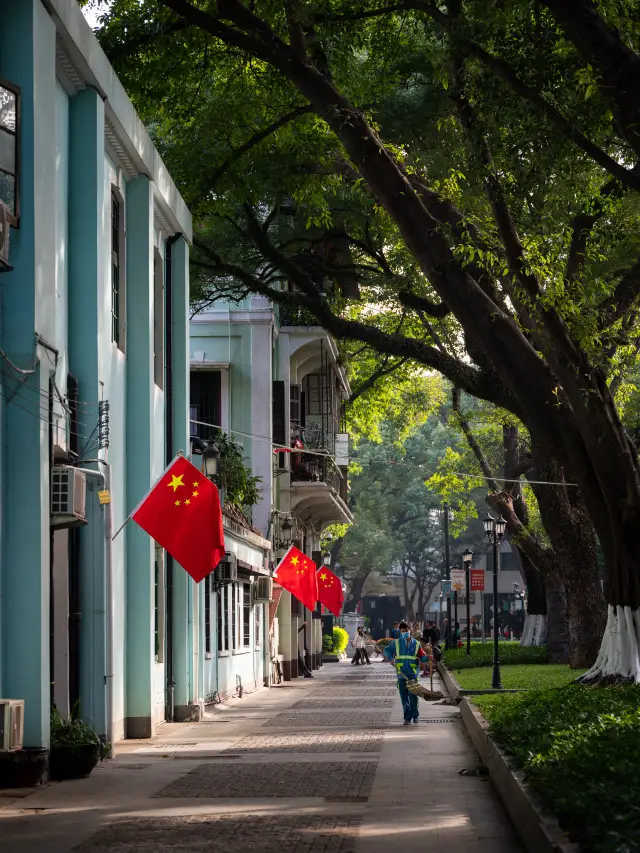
x: 495, y: 528
x: 455, y: 612
x: 467, y: 559
x: 441, y: 615
x: 447, y: 574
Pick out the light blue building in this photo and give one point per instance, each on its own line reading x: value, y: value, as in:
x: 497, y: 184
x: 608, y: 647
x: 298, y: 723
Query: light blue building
x: 94, y: 375
x: 267, y: 380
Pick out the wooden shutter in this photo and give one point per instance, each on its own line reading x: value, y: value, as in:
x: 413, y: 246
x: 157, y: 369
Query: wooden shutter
x: 279, y: 413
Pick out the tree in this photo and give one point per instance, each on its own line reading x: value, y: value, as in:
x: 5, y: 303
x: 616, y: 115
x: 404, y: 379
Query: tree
x: 488, y: 224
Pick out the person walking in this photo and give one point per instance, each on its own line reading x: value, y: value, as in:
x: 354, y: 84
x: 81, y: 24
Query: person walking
x: 359, y: 643
x: 406, y: 654
x: 394, y: 633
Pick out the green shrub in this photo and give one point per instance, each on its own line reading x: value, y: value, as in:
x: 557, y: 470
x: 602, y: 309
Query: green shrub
x: 327, y: 643
x: 482, y: 655
x: 579, y: 747
x: 340, y: 640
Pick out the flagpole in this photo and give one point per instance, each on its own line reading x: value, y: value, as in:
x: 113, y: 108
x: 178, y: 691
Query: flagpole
x: 137, y: 507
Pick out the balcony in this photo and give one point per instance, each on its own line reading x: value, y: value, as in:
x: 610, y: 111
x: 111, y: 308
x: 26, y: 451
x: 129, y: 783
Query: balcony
x: 318, y: 490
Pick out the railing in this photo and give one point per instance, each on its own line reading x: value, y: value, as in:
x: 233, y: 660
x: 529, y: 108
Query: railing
x: 315, y: 468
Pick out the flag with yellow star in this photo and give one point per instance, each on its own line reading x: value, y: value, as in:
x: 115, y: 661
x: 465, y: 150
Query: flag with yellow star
x: 182, y: 513
x: 330, y: 591
x: 297, y: 573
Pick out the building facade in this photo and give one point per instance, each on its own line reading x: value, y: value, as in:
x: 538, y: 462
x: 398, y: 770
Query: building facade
x: 94, y: 388
x: 276, y: 387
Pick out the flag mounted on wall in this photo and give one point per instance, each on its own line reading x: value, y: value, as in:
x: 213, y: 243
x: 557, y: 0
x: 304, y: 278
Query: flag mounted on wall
x: 297, y: 573
x: 330, y: 591
x: 182, y: 513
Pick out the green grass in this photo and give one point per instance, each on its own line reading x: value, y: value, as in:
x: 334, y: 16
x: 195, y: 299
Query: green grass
x: 482, y: 655
x: 579, y: 747
x: 524, y: 676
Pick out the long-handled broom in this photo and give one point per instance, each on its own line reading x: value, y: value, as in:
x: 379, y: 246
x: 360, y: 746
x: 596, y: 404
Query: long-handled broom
x: 413, y: 685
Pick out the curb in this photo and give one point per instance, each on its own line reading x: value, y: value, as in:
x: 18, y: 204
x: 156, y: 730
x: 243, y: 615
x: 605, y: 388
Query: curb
x: 538, y: 829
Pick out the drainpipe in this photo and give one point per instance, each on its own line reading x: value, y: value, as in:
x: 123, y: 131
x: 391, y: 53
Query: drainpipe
x: 105, y: 479
x: 168, y: 408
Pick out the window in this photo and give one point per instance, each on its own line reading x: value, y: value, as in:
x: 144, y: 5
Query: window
x: 158, y: 319
x: 235, y: 602
x: 10, y: 149
x: 257, y: 628
x: 294, y: 405
x: 223, y: 635
x: 117, y: 270
x: 207, y: 615
x: 159, y: 605
x: 246, y: 615
x: 204, y: 402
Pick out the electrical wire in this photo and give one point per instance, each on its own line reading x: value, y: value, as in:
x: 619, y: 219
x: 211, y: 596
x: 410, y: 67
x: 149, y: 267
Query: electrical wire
x: 46, y: 420
x: 42, y: 408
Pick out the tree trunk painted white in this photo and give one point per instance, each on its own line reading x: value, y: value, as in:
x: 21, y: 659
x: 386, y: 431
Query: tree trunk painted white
x: 535, y: 630
x: 619, y: 656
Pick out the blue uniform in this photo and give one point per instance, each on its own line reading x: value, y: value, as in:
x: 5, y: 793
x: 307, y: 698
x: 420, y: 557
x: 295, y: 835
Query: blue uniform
x: 407, y: 654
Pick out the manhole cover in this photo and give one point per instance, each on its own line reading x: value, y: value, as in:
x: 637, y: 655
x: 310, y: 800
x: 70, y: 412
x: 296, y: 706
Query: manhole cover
x: 131, y: 766
x: 443, y: 720
x: 174, y: 745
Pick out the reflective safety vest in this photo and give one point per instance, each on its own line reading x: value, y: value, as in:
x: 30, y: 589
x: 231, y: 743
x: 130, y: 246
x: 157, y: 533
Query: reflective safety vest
x: 411, y: 659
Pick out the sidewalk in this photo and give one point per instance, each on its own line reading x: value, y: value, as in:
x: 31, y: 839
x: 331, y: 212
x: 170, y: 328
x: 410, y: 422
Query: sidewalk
x: 322, y: 766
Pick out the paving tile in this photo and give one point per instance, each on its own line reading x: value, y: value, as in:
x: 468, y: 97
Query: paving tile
x: 227, y: 834
x: 299, y: 779
x: 329, y: 741
x: 337, y: 703
x: 339, y: 720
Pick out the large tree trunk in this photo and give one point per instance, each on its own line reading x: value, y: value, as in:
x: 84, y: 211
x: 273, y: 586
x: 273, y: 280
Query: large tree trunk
x: 573, y: 537
x: 535, y: 623
x: 558, y: 633
x: 356, y: 586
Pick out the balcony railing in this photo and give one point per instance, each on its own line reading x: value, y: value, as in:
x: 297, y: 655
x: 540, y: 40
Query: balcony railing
x: 315, y: 468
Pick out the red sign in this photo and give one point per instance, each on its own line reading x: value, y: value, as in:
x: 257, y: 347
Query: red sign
x: 477, y: 580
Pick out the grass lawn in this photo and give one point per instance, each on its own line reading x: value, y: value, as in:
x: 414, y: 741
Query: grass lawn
x: 526, y: 676
x: 579, y: 748
x: 482, y: 655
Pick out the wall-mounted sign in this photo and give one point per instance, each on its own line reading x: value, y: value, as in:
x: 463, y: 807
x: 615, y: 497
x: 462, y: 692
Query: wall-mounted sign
x: 477, y: 580
x: 457, y: 580
x: 104, y: 496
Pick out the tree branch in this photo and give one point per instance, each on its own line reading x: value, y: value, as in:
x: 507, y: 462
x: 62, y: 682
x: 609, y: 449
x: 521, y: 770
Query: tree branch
x: 472, y: 441
x: 377, y: 374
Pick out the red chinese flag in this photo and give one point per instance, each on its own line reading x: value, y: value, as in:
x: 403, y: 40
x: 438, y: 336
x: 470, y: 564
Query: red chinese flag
x: 182, y: 513
x: 297, y: 573
x: 330, y: 591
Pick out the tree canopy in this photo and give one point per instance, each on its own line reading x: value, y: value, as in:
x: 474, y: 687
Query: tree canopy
x: 453, y: 184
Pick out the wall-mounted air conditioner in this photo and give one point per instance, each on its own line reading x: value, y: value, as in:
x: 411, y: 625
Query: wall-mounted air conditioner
x: 228, y: 568
x: 5, y: 230
x: 68, y: 496
x: 263, y: 590
x: 11, y: 724
x: 283, y: 462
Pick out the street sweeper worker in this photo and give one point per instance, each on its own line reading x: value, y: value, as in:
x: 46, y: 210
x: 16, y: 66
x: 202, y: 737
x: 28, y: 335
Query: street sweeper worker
x: 406, y: 654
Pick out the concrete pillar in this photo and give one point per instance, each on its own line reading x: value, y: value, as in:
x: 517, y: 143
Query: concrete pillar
x: 86, y: 261
x: 60, y: 592
x: 261, y: 415
x: 139, y: 722
x: 182, y: 584
x: 285, y: 638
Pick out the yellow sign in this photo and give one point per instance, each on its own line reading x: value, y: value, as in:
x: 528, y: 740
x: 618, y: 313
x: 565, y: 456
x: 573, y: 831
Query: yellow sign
x: 104, y: 496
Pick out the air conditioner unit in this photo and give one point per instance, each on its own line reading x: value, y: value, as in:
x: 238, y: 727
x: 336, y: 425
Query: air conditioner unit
x: 5, y: 229
x: 11, y: 724
x: 263, y: 590
x: 68, y: 496
x: 228, y: 568
x: 283, y: 462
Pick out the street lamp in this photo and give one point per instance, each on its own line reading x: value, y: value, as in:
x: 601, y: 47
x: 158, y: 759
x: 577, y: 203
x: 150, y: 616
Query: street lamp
x: 495, y: 529
x: 326, y: 560
x: 441, y: 616
x: 210, y: 460
x: 447, y: 571
x: 286, y: 530
x: 455, y: 612
x: 467, y: 559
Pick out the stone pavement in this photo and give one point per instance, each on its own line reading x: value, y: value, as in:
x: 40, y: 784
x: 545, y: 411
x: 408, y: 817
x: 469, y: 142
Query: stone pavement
x: 322, y: 766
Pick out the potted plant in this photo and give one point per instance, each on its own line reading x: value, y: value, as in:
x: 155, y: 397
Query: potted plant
x: 23, y: 768
x: 75, y: 747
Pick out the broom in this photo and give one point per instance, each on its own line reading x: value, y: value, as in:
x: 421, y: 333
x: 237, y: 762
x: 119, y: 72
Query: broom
x: 413, y: 685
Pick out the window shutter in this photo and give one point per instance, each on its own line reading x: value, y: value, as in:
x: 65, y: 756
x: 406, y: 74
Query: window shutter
x: 279, y: 419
